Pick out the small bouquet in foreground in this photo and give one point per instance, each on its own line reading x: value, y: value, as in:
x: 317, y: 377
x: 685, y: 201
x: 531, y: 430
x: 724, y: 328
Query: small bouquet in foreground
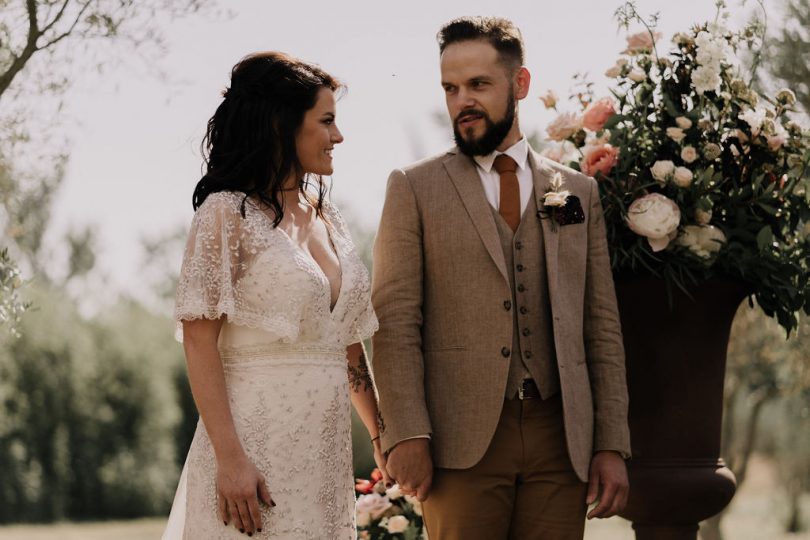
x: 700, y: 175
x: 386, y: 513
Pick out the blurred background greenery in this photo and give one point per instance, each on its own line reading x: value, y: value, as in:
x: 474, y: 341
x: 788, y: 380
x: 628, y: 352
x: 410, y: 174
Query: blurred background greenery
x: 95, y: 410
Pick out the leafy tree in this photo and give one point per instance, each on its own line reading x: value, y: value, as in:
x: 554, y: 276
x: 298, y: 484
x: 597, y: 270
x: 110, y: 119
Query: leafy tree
x: 787, y: 55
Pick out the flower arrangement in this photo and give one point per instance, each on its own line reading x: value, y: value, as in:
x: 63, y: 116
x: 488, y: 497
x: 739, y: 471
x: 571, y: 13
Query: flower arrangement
x: 386, y: 513
x: 700, y: 174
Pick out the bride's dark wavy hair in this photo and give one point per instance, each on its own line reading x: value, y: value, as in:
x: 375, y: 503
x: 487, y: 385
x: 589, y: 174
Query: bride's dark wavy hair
x: 249, y: 145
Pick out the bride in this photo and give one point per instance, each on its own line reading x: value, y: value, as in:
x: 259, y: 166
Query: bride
x: 272, y: 307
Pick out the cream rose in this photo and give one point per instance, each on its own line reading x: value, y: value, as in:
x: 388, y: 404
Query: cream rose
x: 397, y: 524
x: 682, y: 177
x: 555, y: 198
x: 662, y: 170
x: 656, y: 218
x: 373, y: 504
x: 363, y: 519
x: 702, y: 240
x: 703, y: 217
x: 683, y: 122
x: 415, y: 504
x: 689, y: 154
x: 565, y: 125
x: 637, y: 75
x: 393, y: 493
x: 676, y: 134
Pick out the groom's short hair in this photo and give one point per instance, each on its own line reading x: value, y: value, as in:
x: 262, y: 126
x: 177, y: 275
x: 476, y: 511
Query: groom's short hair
x: 499, y: 32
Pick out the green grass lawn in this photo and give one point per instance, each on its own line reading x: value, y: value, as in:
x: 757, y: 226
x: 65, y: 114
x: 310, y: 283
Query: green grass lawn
x: 755, y: 514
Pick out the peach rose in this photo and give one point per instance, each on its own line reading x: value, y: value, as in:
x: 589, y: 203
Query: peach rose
x: 598, y: 113
x: 601, y: 159
x: 641, y: 42
x: 565, y: 125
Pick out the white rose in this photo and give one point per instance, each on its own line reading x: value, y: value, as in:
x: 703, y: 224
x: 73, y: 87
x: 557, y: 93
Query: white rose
x: 415, y: 504
x: 706, y: 79
x: 397, y: 524
x: 683, y: 122
x: 676, y: 134
x: 555, y: 198
x: 363, y: 519
x: 662, y: 170
x: 682, y: 177
x: 654, y: 217
x: 754, y: 118
x: 637, y: 74
x: 702, y: 240
x: 703, y: 217
x: 565, y: 125
x: 689, y: 154
x: 374, y: 504
x: 394, y: 492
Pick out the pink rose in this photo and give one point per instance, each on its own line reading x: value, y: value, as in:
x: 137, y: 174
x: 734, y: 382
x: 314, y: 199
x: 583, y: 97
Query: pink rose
x: 598, y: 113
x: 601, y: 159
x: 641, y: 42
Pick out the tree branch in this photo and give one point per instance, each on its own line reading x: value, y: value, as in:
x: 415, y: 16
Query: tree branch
x: 29, y: 50
x: 57, y: 17
x: 69, y: 31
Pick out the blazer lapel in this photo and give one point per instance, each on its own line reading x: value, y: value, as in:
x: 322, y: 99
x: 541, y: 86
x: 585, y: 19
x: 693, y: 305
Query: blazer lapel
x: 551, y: 238
x: 465, y: 178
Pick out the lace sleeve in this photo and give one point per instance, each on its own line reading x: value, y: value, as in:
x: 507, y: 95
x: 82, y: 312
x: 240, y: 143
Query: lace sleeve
x: 212, y: 263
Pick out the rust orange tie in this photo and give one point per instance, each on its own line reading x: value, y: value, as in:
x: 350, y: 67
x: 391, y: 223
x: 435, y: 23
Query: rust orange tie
x: 510, y: 191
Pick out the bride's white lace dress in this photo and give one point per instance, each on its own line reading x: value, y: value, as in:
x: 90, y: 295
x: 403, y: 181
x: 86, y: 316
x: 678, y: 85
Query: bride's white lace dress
x: 284, y: 355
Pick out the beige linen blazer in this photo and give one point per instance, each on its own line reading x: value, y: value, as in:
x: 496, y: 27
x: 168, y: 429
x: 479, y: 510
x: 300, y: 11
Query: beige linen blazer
x: 439, y: 288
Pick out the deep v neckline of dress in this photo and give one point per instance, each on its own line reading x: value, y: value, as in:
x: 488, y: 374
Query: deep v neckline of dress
x: 318, y: 267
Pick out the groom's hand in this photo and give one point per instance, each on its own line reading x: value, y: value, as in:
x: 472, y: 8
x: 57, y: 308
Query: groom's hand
x: 410, y: 465
x: 608, y: 484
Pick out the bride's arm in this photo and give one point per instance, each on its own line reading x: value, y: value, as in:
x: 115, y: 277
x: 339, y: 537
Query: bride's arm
x: 361, y: 390
x: 238, y: 480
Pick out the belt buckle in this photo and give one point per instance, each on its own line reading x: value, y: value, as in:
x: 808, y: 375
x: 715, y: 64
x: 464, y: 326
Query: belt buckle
x: 520, y: 391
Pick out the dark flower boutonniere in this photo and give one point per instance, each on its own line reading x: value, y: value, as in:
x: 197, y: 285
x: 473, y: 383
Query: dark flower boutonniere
x: 559, y: 205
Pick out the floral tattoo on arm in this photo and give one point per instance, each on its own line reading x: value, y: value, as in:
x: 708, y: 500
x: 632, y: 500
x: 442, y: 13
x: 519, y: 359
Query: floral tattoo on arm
x: 359, y: 375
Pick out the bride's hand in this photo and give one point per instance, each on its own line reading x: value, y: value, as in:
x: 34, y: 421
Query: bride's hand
x: 240, y: 486
x: 380, y: 460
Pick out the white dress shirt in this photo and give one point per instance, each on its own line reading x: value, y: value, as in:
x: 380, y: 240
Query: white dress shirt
x: 491, y: 180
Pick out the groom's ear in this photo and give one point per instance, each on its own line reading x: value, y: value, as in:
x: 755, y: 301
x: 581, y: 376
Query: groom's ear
x: 522, y: 80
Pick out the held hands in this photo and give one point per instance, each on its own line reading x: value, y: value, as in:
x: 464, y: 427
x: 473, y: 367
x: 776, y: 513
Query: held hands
x: 382, y: 462
x: 608, y: 484
x: 410, y: 465
x: 240, y: 486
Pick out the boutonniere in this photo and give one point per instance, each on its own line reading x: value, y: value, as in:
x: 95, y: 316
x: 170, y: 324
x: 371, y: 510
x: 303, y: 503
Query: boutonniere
x: 559, y: 205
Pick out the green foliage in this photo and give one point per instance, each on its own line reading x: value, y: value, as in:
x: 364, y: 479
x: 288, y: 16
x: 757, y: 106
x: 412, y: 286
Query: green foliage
x: 11, y: 305
x: 787, y: 56
x: 88, y: 414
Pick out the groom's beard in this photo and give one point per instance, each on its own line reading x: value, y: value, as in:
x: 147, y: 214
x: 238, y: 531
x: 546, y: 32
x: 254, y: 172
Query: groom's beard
x: 494, y: 132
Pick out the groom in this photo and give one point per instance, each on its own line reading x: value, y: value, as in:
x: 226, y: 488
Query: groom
x: 499, y: 359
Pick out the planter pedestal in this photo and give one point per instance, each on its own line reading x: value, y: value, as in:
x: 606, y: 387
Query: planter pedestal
x: 676, y: 360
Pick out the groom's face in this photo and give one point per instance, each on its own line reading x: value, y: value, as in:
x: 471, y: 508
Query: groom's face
x: 480, y: 95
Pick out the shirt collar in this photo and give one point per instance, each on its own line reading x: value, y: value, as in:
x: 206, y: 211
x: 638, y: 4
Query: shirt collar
x: 518, y: 151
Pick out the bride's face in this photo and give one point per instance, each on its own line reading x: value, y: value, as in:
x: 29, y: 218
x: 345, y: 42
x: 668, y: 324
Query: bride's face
x: 318, y: 135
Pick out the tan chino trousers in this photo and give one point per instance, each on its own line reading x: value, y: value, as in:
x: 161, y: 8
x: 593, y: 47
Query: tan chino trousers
x: 524, y: 487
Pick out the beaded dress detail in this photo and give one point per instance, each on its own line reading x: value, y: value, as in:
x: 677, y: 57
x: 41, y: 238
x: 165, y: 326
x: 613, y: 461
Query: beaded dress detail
x: 283, y: 348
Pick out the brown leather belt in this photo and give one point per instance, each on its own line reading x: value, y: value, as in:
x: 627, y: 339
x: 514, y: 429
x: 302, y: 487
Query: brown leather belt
x: 528, y: 390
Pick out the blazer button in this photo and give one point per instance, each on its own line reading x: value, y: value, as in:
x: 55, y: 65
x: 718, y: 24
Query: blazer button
x: 521, y: 288
x: 519, y: 268
x: 507, y: 305
x: 524, y: 310
x: 518, y: 245
x: 506, y: 352
x: 528, y: 354
x: 526, y: 331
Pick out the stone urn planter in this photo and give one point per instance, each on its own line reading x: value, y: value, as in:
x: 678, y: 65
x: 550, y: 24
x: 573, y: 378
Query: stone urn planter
x: 676, y: 359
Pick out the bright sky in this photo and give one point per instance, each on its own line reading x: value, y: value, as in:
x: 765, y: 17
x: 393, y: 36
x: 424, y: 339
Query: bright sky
x: 135, y: 157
